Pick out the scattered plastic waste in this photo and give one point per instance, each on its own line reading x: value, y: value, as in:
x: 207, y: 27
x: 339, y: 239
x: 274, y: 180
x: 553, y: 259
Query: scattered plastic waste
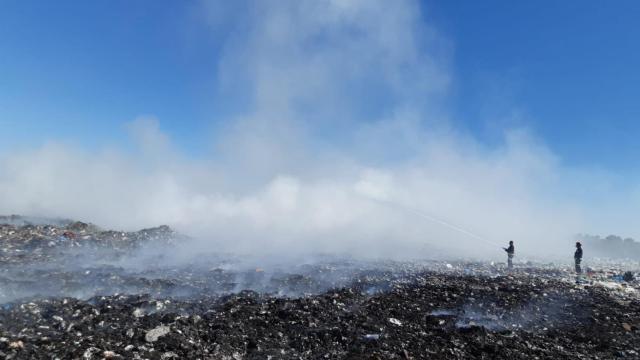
x: 334, y: 308
x: 628, y: 276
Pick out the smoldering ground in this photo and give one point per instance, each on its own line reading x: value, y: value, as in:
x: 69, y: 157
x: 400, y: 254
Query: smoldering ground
x: 346, y: 308
x: 116, y: 294
x: 319, y: 221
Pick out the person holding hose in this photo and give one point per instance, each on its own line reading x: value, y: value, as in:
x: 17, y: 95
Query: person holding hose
x: 511, y: 251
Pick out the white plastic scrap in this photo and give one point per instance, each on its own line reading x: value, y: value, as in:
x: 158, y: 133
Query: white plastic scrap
x: 154, y: 334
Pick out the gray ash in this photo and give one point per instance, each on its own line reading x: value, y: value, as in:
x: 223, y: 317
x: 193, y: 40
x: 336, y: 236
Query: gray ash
x: 62, y: 297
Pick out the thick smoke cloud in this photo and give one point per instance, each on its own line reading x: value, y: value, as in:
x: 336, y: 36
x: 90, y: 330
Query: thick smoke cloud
x: 342, y: 145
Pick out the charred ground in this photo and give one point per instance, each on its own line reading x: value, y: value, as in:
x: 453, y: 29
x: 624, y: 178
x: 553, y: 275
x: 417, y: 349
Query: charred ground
x: 331, y: 309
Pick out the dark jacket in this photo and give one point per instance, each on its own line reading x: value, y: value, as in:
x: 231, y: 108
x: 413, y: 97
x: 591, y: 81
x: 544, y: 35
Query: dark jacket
x: 578, y: 254
x: 510, y: 250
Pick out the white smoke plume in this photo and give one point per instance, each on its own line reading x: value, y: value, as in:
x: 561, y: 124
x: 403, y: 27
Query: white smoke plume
x: 342, y: 146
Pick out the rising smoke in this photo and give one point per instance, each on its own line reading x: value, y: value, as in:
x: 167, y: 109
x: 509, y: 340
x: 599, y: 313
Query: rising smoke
x: 342, y: 141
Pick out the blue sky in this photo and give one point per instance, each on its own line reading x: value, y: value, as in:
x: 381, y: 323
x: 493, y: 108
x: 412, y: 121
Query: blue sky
x: 284, y: 118
x: 570, y: 67
x: 77, y: 71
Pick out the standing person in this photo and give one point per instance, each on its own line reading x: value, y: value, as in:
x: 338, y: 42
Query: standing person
x: 511, y: 251
x: 577, y: 257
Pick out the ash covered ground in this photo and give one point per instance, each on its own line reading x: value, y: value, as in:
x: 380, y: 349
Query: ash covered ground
x: 71, y: 290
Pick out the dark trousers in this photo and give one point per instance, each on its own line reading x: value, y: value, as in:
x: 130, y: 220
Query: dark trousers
x: 578, y: 267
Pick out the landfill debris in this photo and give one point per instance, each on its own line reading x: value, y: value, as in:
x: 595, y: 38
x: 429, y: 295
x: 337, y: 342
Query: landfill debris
x: 628, y: 276
x: 156, y: 333
x: 25, y: 241
x: 16, y: 344
x: 505, y: 317
x: 107, y: 354
x: 55, y: 304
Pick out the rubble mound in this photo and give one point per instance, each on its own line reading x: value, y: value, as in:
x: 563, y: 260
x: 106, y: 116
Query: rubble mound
x: 25, y: 239
x: 70, y: 290
x: 435, y: 316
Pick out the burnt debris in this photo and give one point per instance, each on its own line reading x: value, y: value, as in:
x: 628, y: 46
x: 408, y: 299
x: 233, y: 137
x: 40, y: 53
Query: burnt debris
x: 330, y: 309
x: 31, y: 240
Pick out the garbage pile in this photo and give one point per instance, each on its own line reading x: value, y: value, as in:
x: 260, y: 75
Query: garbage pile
x: 57, y: 306
x: 435, y: 316
x: 25, y: 240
